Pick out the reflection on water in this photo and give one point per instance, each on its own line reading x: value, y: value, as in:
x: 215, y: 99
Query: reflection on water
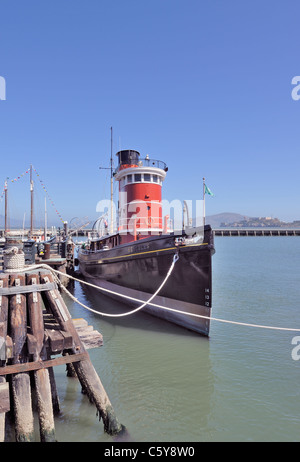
x: 152, y: 371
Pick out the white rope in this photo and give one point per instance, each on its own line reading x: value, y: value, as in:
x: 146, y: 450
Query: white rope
x: 175, y: 258
x: 260, y: 326
x: 13, y: 258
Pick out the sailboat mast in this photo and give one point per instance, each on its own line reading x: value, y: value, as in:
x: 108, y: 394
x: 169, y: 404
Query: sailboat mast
x: 111, y: 183
x: 31, y: 202
x: 6, y: 221
x: 203, y: 201
x: 45, y: 230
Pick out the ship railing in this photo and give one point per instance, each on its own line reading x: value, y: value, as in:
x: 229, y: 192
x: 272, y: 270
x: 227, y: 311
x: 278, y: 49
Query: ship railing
x: 146, y: 162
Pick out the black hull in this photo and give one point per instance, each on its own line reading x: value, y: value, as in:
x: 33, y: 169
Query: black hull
x: 139, y: 268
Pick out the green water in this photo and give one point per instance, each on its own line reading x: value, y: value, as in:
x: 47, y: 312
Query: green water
x: 167, y: 384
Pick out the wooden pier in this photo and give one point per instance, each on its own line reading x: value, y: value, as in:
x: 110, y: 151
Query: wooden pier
x: 217, y: 232
x: 256, y: 232
x: 35, y: 325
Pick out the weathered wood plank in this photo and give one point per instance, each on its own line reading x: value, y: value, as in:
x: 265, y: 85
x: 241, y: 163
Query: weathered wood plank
x: 68, y: 340
x: 79, y: 323
x: 91, y: 339
x: 25, y: 289
x: 35, y: 365
x: 56, y: 340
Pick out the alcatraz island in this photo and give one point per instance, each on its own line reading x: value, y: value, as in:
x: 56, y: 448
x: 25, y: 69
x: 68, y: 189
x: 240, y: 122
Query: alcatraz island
x: 260, y: 222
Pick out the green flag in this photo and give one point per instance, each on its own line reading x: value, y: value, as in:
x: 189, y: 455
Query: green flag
x: 208, y: 191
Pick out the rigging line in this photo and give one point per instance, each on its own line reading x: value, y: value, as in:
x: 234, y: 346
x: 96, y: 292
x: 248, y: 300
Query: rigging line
x: 47, y: 194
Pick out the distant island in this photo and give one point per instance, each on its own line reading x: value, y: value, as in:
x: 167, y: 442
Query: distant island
x: 231, y: 220
x: 219, y: 220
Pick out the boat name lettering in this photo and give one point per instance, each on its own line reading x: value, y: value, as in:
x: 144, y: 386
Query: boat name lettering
x: 138, y: 248
x: 142, y: 247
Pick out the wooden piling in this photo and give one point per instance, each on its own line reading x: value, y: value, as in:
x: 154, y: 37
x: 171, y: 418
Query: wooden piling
x: 4, y: 279
x: 21, y: 389
x: 41, y: 376
x: 29, y: 335
x: 85, y: 371
x: 4, y: 389
x: 54, y: 394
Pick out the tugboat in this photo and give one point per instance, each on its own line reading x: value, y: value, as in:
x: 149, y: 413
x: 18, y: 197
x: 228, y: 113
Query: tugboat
x: 134, y: 260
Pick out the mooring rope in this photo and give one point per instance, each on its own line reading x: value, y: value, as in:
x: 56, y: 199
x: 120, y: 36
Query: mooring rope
x: 148, y: 302
x: 175, y: 258
x: 42, y: 265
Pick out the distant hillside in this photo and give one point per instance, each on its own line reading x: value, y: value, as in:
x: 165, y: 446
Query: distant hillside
x: 226, y: 217
x: 18, y: 224
x: 12, y: 223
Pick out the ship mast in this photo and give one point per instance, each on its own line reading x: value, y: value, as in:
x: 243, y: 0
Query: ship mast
x: 31, y: 202
x: 45, y: 227
x: 203, y: 201
x: 111, y: 183
x: 6, y: 221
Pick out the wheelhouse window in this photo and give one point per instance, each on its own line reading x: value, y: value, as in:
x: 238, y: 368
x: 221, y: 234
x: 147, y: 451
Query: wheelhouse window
x: 147, y: 177
x: 137, y: 177
x: 155, y: 179
x: 129, y: 178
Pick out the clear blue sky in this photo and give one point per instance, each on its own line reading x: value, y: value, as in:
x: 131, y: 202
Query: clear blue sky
x: 203, y: 85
